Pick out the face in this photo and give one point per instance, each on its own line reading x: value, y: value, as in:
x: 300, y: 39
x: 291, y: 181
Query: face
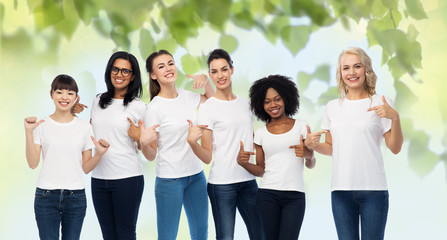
x: 164, y: 69
x: 220, y: 72
x: 352, y: 71
x: 274, y: 104
x: 121, y: 74
x: 63, y: 99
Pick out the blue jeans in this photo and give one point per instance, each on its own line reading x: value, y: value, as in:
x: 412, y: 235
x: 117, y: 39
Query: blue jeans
x: 117, y: 203
x: 370, y: 207
x: 224, y: 200
x: 59, y: 208
x: 282, y: 213
x: 170, y: 195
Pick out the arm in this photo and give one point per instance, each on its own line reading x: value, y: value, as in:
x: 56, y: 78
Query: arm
x: 325, y: 148
x: 148, y: 141
x: 243, y: 158
x: 89, y: 162
x: 201, y: 81
x: 134, y: 132
x: 204, y: 151
x: 32, y: 150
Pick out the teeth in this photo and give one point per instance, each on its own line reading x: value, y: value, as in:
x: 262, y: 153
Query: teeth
x: 169, y: 75
x: 119, y: 81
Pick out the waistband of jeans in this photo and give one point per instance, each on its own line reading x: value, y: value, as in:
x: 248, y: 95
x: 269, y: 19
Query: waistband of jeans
x: 61, y: 190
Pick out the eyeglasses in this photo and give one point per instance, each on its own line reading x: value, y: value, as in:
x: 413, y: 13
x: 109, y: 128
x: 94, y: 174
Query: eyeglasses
x: 124, y: 71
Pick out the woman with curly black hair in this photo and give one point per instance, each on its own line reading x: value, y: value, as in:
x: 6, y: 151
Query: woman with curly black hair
x: 280, y: 156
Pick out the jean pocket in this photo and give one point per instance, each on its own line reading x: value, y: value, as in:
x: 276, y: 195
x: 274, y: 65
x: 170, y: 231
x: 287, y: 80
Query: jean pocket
x: 41, y: 193
x: 80, y: 194
x: 169, y: 180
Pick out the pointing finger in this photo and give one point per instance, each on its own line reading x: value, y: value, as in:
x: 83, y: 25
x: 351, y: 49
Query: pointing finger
x: 372, y: 108
x: 93, y: 139
x: 130, y: 121
x: 155, y: 126
x: 242, y: 147
x: 384, y: 101
x: 301, y: 139
x: 202, y: 126
x: 308, y: 129
x: 190, y: 123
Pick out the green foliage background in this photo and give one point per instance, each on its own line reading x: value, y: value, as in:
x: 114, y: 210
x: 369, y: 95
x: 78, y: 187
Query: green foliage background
x: 42, y: 37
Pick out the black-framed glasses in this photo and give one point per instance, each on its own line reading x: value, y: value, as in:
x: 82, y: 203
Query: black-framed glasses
x: 124, y: 71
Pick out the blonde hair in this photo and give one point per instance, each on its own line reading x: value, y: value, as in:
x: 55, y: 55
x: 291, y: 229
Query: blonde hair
x: 370, y: 76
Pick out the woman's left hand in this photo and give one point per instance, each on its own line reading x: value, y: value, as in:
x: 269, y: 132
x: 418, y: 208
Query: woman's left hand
x: 134, y: 132
x: 101, y: 145
x: 200, y: 80
x: 385, y: 110
x: 299, y: 149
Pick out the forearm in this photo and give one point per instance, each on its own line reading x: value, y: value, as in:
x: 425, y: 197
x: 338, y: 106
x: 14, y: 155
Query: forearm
x: 254, y: 169
x: 209, y: 90
x: 32, y: 155
x: 310, y: 162
x: 148, y: 151
x: 396, y: 138
x: 90, y: 164
x: 201, y: 152
x: 324, y: 148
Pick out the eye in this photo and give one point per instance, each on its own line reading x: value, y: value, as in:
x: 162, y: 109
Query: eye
x: 115, y: 69
x: 71, y: 93
x: 345, y: 68
x: 125, y: 71
x: 160, y: 67
x: 358, y: 66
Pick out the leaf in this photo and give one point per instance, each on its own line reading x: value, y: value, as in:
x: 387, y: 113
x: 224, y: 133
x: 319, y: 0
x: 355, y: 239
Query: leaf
x: 147, y: 44
x: 323, y: 73
x: 120, y: 40
x: 46, y: 12
x: 168, y: 44
x: 190, y: 64
x: 330, y: 94
x: 70, y: 22
x: 405, y: 99
x: 391, y: 4
x: 181, y: 21
x: 244, y: 20
x: 216, y: 13
x: 87, y: 10
x: 295, y: 37
x: 303, y: 80
x: 228, y: 42
x: 415, y: 9
x: 412, y: 33
x: 316, y: 12
x: 421, y: 159
x: 155, y: 27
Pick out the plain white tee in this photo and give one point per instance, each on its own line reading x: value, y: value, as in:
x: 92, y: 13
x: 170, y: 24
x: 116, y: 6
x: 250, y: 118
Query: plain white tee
x: 62, y: 146
x: 283, y: 169
x: 121, y: 159
x: 357, y: 162
x: 231, y: 122
x: 175, y: 157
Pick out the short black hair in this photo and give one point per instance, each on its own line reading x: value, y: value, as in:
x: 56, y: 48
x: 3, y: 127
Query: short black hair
x: 64, y: 82
x: 285, y: 87
x: 220, y: 53
x: 135, y: 87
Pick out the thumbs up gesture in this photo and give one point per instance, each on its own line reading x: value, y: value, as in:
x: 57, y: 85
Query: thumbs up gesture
x: 134, y: 132
x: 313, y: 139
x: 195, y: 132
x: 385, y: 110
x: 31, y: 123
x: 78, y: 107
x: 101, y: 145
x: 243, y: 156
x: 148, y: 135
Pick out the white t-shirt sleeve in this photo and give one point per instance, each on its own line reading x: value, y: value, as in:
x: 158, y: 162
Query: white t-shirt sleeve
x: 193, y: 97
x: 258, y: 137
x: 88, y: 143
x: 204, y: 117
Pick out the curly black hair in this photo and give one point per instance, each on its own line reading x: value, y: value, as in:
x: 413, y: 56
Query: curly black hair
x: 285, y: 87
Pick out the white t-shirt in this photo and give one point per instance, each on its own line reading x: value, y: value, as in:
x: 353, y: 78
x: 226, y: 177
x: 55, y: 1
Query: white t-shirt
x: 62, y: 146
x: 175, y: 157
x: 231, y: 122
x: 356, y: 137
x: 121, y: 159
x: 283, y: 169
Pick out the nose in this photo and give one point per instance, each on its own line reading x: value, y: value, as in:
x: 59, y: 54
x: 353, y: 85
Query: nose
x: 219, y: 74
x: 351, y: 71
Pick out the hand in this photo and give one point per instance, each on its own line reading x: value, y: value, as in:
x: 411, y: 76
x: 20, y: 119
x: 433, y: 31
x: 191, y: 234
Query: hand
x: 200, y: 80
x: 313, y: 139
x: 195, y: 132
x: 134, y: 132
x: 299, y: 149
x: 78, y: 107
x: 148, y: 135
x: 31, y: 124
x: 101, y: 146
x: 243, y: 157
x: 385, y: 110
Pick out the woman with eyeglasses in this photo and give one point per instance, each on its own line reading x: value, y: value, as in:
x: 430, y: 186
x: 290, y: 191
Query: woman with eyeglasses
x: 117, y: 181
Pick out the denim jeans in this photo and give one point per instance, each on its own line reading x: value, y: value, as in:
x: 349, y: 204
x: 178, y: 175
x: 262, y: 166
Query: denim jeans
x: 117, y: 203
x: 368, y: 207
x: 59, y: 208
x: 225, y: 198
x: 282, y: 213
x: 170, y: 195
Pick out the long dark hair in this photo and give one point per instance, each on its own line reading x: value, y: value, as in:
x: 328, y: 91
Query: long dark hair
x: 154, y: 86
x: 134, y: 89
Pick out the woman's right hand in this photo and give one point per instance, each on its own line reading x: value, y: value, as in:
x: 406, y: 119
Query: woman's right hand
x: 31, y: 123
x: 243, y: 157
x: 148, y: 135
x: 195, y: 133
x: 313, y: 139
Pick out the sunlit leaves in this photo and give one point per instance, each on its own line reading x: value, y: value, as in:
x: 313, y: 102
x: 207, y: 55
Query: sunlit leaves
x: 295, y: 37
x: 310, y: 8
x: 244, y: 20
x: 168, y: 44
x: 415, y: 9
x: 330, y: 94
x: 87, y: 9
x: 68, y: 25
x: 46, y: 12
x: 181, y: 21
x: 190, y: 64
x: 147, y: 44
x: 217, y: 13
x: 321, y: 73
x: 228, y: 42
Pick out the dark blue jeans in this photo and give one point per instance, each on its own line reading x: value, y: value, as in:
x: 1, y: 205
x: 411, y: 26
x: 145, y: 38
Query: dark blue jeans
x: 117, y: 203
x: 368, y: 207
x: 282, y: 213
x: 59, y: 208
x: 225, y: 198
